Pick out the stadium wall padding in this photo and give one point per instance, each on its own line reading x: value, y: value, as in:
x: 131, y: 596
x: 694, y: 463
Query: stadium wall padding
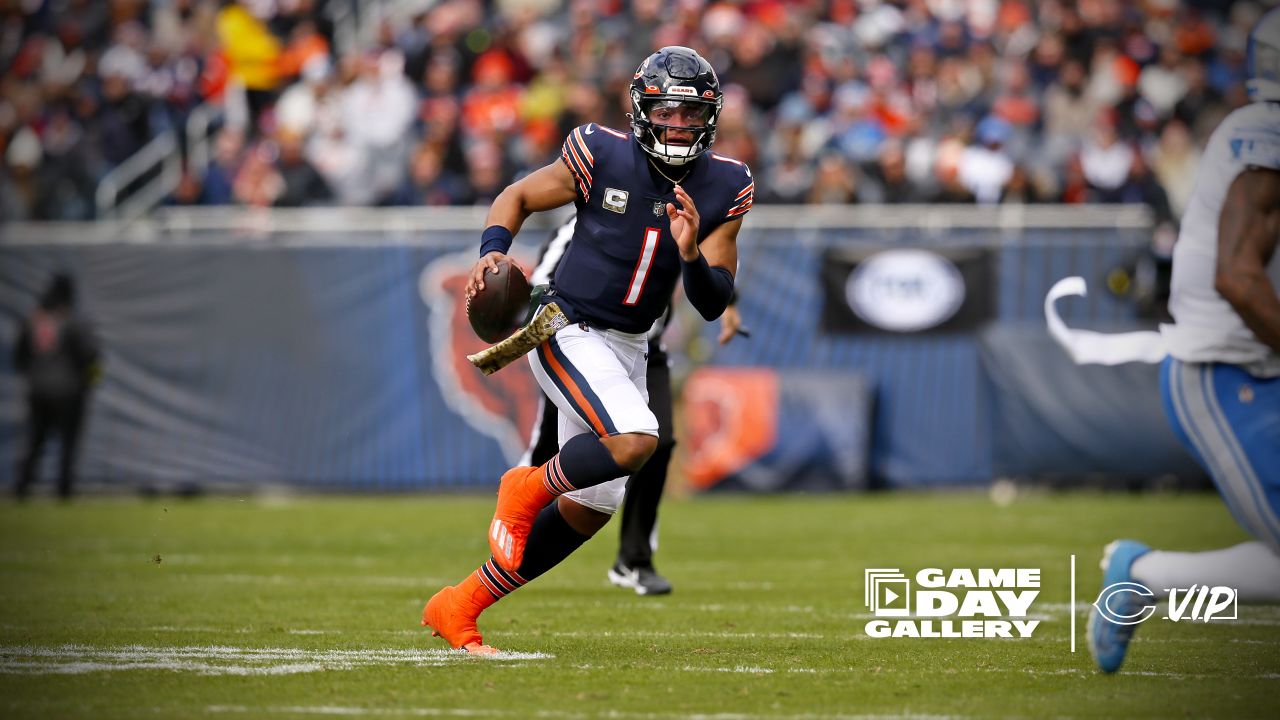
x: 1081, y: 423
x: 341, y: 365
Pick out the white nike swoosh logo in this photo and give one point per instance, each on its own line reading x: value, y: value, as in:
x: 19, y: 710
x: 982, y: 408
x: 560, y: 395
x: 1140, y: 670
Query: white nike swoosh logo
x: 588, y: 131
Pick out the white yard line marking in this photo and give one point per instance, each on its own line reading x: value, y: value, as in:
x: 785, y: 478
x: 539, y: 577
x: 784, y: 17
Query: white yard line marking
x: 737, y: 669
x: 753, y: 609
x: 278, y: 579
x: 743, y: 585
x: 736, y: 607
x: 693, y: 633
x: 342, y: 711
x: 356, y: 711
x: 1136, y: 673
x: 222, y: 660
x: 411, y: 632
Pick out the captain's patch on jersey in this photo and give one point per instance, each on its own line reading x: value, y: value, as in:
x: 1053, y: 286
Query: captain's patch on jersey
x: 615, y: 200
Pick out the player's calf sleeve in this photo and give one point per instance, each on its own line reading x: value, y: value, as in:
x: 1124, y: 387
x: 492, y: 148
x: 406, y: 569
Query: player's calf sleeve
x: 550, y: 541
x: 584, y: 461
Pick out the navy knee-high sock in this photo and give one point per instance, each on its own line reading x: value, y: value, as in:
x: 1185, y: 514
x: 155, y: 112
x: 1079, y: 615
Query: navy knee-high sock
x: 550, y: 541
x: 582, y: 462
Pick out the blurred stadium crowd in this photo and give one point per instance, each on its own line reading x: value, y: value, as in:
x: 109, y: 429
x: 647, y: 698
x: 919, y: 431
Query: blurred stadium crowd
x: 830, y: 101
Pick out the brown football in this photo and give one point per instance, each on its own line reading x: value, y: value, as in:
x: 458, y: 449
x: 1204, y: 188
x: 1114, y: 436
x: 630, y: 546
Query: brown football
x: 498, y: 309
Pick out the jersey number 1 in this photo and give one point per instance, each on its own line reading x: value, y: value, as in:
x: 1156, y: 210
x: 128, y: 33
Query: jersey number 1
x: 643, y: 265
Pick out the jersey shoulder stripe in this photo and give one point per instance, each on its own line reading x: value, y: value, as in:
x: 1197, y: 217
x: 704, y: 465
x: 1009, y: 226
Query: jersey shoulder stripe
x: 575, y: 155
x: 723, y: 158
x: 581, y: 145
x: 615, y: 133
x: 579, y: 159
x: 745, y: 197
x: 578, y: 178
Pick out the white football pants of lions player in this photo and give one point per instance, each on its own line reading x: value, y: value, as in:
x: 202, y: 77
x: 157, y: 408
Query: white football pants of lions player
x: 596, y: 378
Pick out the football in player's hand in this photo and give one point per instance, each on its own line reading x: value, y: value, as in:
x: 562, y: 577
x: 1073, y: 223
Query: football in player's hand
x: 497, y: 310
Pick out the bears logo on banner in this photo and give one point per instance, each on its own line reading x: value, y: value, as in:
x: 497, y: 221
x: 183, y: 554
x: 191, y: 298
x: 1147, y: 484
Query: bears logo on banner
x: 730, y: 420
x: 502, y: 406
x: 764, y: 430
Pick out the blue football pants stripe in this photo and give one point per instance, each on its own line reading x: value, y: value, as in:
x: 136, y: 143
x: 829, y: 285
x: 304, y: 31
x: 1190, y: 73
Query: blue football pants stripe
x: 1198, y: 414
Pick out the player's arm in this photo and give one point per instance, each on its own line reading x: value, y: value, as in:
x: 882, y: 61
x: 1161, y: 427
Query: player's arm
x: 731, y: 324
x: 1248, y: 231
x: 707, y: 268
x: 546, y: 188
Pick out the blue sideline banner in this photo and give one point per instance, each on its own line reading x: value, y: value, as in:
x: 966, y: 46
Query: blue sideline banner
x: 335, y: 357
x: 321, y: 367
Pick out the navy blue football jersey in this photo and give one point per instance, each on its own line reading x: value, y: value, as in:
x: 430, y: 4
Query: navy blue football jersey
x: 623, y: 264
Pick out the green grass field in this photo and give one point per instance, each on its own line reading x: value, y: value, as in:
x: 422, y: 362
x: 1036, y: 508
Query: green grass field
x: 310, y: 607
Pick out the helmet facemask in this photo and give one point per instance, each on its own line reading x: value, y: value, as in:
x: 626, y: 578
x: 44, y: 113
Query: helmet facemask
x: 676, y: 141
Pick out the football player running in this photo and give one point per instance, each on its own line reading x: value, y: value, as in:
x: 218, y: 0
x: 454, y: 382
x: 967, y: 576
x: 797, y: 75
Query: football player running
x: 638, y: 232
x: 1221, y: 379
x: 638, y: 537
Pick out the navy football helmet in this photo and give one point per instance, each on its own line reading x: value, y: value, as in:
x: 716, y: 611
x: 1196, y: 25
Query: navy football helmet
x: 675, y: 79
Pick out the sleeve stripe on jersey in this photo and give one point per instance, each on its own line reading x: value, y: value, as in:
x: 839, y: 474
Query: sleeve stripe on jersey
x: 564, y: 155
x: 582, y: 146
x: 744, y: 199
x: 576, y: 156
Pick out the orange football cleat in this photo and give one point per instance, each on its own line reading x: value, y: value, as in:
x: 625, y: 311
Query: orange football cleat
x: 521, y: 496
x: 452, y: 615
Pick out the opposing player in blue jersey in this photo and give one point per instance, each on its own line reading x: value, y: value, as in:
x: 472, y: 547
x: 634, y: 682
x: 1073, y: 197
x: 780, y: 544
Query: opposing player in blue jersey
x: 1221, y: 379
x: 653, y: 207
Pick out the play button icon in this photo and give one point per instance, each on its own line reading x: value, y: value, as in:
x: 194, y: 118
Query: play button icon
x: 881, y: 596
x: 895, y: 598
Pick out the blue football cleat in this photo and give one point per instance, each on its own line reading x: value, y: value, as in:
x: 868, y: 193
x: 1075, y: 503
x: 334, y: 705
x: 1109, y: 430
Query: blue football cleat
x: 1109, y: 636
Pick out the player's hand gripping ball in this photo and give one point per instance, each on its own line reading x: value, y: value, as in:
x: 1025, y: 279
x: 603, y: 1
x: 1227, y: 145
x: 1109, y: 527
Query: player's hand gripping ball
x: 499, y: 308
